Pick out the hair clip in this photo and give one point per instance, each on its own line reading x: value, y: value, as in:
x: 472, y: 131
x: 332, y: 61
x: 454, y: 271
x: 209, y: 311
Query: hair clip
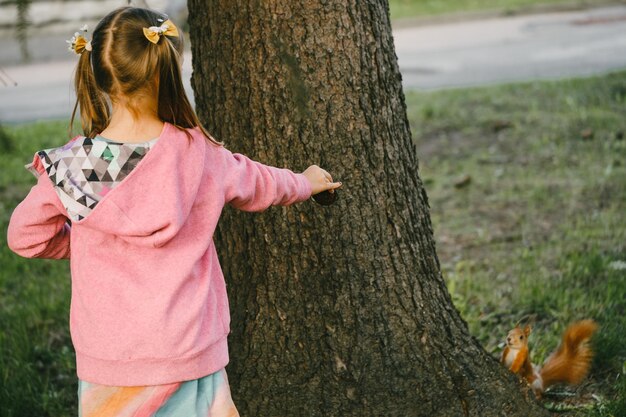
x: 79, y: 43
x: 154, y: 33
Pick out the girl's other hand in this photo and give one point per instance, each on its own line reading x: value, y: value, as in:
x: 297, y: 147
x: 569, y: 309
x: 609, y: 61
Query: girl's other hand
x: 320, y: 180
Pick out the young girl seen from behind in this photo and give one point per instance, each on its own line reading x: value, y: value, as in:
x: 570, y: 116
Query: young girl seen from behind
x: 134, y: 204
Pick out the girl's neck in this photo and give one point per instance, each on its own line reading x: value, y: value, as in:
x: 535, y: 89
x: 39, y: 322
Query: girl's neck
x: 125, y: 126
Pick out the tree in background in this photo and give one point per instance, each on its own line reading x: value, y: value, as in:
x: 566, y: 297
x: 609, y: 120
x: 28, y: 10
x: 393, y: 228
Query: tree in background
x: 338, y: 311
x: 21, y: 33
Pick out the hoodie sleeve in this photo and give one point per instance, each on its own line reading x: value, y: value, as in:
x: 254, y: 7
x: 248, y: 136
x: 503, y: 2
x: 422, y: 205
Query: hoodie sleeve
x: 38, y: 227
x: 252, y: 186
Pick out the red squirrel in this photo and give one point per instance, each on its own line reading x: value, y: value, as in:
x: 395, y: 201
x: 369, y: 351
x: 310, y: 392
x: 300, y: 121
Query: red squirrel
x: 569, y: 363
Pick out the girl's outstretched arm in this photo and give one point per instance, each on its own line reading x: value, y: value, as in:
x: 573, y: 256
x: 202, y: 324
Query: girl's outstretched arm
x: 252, y: 186
x: 38, y: 227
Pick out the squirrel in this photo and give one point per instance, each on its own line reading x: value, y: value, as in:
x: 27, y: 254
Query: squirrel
x: 569, y: 363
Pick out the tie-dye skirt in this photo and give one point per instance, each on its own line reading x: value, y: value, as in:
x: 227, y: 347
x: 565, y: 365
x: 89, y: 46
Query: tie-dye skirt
x: 205, y: 397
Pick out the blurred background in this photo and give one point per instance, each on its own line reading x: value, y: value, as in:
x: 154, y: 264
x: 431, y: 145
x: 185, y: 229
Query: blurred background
x: 440, y: 44
x: 518, y: 112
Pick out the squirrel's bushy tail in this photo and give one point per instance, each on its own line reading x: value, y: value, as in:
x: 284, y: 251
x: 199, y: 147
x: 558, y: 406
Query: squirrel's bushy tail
x: 570, y: 362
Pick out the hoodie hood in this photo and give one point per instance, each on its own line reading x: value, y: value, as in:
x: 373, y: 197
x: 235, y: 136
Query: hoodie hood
x: 166, y: 177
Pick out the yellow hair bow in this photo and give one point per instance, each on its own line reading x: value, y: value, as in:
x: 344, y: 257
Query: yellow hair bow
x: 153, y: 33
x: 78, y: 43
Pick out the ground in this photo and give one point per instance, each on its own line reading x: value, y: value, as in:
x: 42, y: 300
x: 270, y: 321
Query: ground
x: 527, y: 187
x: 431, y: 9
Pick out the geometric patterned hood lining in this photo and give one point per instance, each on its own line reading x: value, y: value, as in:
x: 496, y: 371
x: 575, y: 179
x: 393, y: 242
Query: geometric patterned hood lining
x: 85, y: 170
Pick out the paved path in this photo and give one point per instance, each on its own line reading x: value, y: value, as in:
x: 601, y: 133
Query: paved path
x: 431, y: 57
x: 553, y: 45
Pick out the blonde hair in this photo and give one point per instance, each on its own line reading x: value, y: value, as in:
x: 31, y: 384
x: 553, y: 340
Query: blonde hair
x: 122, y: 63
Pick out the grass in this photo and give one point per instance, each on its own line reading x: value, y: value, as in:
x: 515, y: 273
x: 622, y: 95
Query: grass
x: 401, y: 9
x: 535, y: 232
x: 527, y: 188
x: 37, y: 375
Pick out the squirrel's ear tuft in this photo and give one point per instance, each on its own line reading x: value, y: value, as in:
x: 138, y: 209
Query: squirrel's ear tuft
x: 527, y: 330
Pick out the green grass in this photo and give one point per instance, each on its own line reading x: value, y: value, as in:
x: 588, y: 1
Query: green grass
x: 418, y: 8
x: 539, y: 232
x: 37, y: 376
x: 537, y: 235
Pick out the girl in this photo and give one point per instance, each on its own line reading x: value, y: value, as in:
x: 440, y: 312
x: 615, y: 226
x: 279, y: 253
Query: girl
x: 134, y: 203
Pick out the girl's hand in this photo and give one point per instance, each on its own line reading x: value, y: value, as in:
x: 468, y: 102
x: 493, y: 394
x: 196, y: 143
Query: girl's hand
x: 320, y: 180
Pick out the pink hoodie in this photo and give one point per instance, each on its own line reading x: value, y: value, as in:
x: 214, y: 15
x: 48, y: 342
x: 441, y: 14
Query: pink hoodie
x: 149, y: 302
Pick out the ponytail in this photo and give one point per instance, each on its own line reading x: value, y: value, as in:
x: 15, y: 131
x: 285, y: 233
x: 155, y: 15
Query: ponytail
x: 129, y: 56
x: 174, y: 106
x: 94, y: 109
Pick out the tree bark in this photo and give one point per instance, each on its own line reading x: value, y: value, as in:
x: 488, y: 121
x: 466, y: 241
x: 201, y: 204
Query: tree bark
x: 340, y: 310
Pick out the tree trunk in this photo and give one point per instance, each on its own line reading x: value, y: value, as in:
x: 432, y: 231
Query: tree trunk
x: 340, y: 310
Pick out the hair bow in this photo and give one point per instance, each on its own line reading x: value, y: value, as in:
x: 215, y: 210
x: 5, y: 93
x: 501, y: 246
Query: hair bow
x: 78, y: 43
x: 153, y: 33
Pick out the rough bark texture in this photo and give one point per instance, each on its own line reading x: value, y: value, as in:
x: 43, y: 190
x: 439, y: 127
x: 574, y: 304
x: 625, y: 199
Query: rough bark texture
x: 338, y: 311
